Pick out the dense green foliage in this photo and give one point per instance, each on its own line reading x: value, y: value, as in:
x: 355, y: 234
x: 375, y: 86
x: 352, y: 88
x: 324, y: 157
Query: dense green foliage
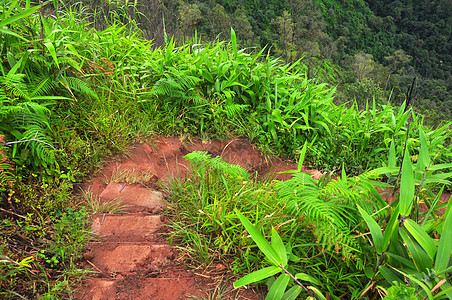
x: 398, y: 40
x: 70, y: 95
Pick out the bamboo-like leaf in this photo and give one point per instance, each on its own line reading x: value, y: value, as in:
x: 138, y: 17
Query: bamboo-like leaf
x: 389, y: 275
x: 52, y: 52
x: 234, y: 42
x: 292, y: 293
x: 23, y: 14
x: 306, y: 277
x: 257, y: 276
x: 317, y: 293
x: 406, y: 186
x: 421, y: 237
x: 278, y: 287
x: 391, y: 228
x: 375, y: 230
x: 392, y: 160
x: 279, y: 247
x: 445, y: 245
x: 420, y: 258
x: 260, y: 241
x: 423, y: 159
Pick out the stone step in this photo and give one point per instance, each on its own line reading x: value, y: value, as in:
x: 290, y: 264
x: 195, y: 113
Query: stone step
x: 135, y: 198
x: 142, y: 257
x: 172, y: 288
x: 126, y: 228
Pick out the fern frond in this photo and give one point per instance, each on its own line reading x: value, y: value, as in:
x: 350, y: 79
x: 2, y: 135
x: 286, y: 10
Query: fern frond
x: 77, y: 84
x: 330, y: 206
x: 42, y: 150
x: 234, y: 109
x: 203, y: 161
x: 41, y: 86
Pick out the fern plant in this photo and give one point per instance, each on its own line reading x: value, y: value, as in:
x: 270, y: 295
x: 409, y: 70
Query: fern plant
x: 329, y: 205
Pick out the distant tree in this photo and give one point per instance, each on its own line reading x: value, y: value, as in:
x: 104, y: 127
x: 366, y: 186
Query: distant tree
x: 190, y: 16
x: 219, y: 19
x: 363, y: 65
x: 285, y: 28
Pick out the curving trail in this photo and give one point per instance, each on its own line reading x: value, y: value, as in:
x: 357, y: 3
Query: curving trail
x: 131, y: 259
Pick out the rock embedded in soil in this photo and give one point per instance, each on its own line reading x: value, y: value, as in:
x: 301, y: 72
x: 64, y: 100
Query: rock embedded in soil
x: 126, y: 228
x: 134, y: 198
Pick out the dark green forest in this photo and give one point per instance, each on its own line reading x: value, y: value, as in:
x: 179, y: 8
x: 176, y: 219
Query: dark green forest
x: 378, y: 47
x: 359, y: 90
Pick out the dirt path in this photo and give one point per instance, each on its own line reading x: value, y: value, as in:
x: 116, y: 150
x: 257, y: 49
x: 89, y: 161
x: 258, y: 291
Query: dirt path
x: 131, y: 258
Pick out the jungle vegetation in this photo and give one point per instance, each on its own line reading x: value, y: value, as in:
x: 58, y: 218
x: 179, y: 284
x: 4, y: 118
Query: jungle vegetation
x: 305, y: 80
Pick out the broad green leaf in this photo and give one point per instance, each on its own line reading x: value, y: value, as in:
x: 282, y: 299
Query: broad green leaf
x: 375, y: 230
x: 391, y: 228
x: 260, y: 241
x: 306, y: 277
x: 292, y: 293
x: 278, y: 287
x: 445, y: 245
x: 257, y: 276
x: 23, y: 14
x: 392, y: 160
x: 302, y: 155
x: 432, y: 207
x: 402, y: 260
x: 317, y: 293
x: 279, y: 247
x: 420, y: 258
x: 52, y: 52
x: 421, y: 237
x: 6, y: 31
x: 423, y: 159
x: 389, y: 275
x: 406, y: 186
x: 234, y: 42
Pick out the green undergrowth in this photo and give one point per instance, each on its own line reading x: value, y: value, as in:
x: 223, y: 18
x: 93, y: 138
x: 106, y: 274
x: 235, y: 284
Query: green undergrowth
x: 71, y: 96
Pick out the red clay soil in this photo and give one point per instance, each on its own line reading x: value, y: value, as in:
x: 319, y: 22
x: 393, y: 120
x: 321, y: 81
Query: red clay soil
x: 132, y: 260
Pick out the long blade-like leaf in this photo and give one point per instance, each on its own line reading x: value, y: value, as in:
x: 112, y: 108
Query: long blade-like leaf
x: 445, y: 245
x: 257, y: 276
x: 278, y: 287
x: 375, y: 230
x: 406, y: 186
x: 279, y: 247
x: 421, y: 237
x: 260, y: 241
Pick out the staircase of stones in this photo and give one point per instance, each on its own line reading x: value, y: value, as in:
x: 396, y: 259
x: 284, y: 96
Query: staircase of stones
x: 129, y: 256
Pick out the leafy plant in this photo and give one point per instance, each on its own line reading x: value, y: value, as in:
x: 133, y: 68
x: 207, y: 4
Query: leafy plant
x: 406, y: 249
x: 277, y: 255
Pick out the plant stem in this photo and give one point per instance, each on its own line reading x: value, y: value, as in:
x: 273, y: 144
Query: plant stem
x: 296, y: 280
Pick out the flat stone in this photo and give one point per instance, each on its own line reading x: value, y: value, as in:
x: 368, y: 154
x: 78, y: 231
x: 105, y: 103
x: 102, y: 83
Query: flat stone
x: 125, y: 228
x: 135, y: 198
x: 129, y: 257
x: 97, y: 289
x: 176, y: 288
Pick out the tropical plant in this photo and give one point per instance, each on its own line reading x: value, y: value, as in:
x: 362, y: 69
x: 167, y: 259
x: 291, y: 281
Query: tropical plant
x: 277, y: 254
x: 407, y: 249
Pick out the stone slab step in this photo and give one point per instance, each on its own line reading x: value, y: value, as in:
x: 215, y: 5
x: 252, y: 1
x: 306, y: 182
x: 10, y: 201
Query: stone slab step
x: 111, y: 257
x: 173, y: 288
x: 135, y: 198
x: 126, y: 228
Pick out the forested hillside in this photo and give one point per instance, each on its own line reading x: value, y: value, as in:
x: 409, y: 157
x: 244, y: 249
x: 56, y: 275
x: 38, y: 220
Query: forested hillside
x: 378, y: 47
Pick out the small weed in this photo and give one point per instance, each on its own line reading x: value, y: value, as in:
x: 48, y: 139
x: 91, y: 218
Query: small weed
x: 97, y: 206
x: 130, y: 176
